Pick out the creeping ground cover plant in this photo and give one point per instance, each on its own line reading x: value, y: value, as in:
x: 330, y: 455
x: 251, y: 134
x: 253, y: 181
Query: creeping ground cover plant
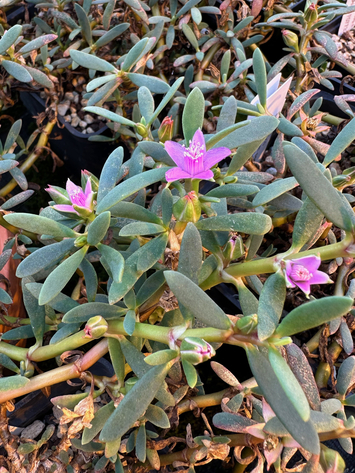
x: 147, y: 241
x: 222, y: 179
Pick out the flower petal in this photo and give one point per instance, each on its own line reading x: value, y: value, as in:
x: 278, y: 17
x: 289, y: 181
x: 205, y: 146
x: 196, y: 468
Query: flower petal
x: 198, y: 140
x: 88, y: 187
x: 206, y: 175
x: 65, y: 208
x: 311, y: 262
x: 76, y: 193
x: 176, y: 152
x: 289, y: 282
x: 175, y: 174
x: 272, y: 455
x: 305, y: 286
x: 319, y: 277
x: 213, y: 156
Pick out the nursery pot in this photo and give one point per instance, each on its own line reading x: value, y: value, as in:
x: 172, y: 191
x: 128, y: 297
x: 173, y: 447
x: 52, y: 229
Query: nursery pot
x: 17, y: 13
x: 72, y: 146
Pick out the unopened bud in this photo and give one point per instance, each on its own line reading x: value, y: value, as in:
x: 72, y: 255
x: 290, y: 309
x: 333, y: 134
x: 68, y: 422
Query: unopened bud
x: 341, y: 181
x: 331, y: 460
x: 59, y: 195
x: 130, y: 383
x: 80, y: 241
x: 290, y: 39
x: 311, y: 15
x: 141, y: 130
x: 188, y: 208
x: 85, y: 175
x: 165, y: 131
x: 247, y: 324
x: 234, y: 248
x: 96, y: 327
x: 196, y: 350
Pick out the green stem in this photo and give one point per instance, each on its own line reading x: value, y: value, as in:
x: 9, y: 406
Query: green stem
x: 51, y: 351
x: 208, y: 400
x: 267, y: 265
x: 58, y: 375
x: 206, y: 60
x: 15, y: 353
x: 163, y: 334
x: 332, y: 120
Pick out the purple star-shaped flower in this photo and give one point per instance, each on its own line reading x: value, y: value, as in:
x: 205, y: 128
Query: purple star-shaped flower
x: 303, y: 272
x: 78, y: 198
x: 193, y: 162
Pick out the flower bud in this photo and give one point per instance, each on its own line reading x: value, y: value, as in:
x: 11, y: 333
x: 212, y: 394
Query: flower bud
x: 96, y: 327
x: 165, y: 131
x: 247, y: 324
x: 188, y: 208
x: 196, y: 350
x: 331, y: 460
x: 341, y: 181
x: 311, y: 15
x: 141, y: 130
x: 59, y: 195
x: 85, y: 175
x: 80, y: 241
x: 130, y: 383
x: 290, y: 39
x: 233, y: 248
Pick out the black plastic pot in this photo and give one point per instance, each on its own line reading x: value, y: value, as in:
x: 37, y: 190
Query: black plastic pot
x: 36, y: 405
x: 329, y: 105
x: 17, y: 13
x: 72, y: 146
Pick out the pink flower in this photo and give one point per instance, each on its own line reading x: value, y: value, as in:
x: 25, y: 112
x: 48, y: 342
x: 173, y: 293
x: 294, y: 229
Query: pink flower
x: 80, y: 200
x: 303, y: 272
x: 193, y: 162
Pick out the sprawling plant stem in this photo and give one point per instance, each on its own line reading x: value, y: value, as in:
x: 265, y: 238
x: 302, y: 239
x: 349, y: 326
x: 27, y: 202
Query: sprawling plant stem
x: 267, y: 265
x: 32, y: 158
x: 63, y: 373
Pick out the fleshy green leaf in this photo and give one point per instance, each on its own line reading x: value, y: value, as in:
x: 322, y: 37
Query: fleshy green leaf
x: 44, y: 257
x: 61, y: 276
x: 289, y: 383
x: 39, y: 225
x: 303, y: 432
x: 193, y: 114
x: 317, y: 187
x: 260, y: 76
x: 190, y: 258
x: 129, y: 187
x: 197, y: 301
x: 250, y: 223
x: 312, y: 314
x: 271, y: 302
x: 84, y: 312
x: 134, y: 404
x: 98, y: 228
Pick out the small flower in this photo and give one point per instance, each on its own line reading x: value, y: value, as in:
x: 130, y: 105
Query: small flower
x: 303, y: 272
x: 193, y: 162
x: 81, y: 201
